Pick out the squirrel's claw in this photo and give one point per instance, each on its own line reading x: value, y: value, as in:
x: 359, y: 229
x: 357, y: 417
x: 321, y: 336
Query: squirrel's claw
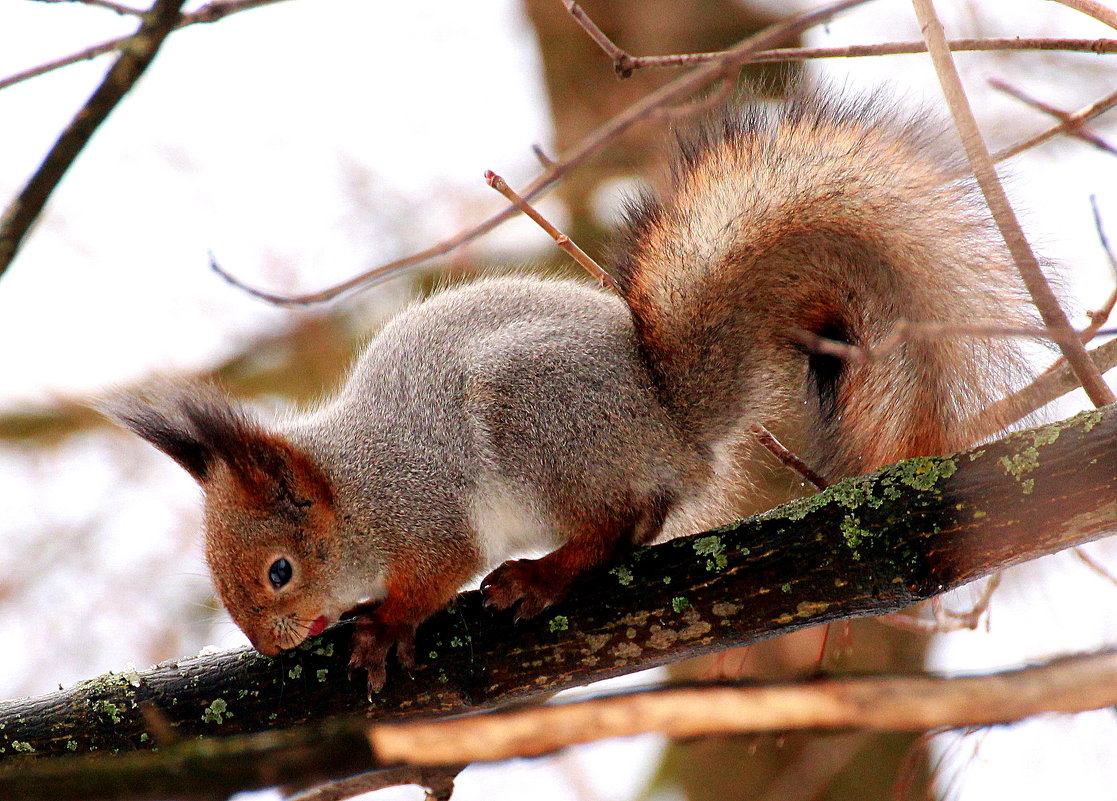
x: 523, y: 581
x: 372, y: 640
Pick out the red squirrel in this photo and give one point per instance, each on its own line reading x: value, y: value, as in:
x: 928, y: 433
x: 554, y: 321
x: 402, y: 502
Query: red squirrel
x: 524, y: 413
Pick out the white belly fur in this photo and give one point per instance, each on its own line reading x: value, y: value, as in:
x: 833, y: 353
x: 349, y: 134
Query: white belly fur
x: 507, y: 523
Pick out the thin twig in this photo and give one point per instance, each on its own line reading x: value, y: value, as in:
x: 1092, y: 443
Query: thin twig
x: 562, y: 240
x: 784, y: 54
x: 437, y: 782
x: 143, y: 45
x: 210, y: 12
x: 945, y: 621
x: 1091, y: 563
x: 1085, y: 113
x: 1056, y: 381
x: 1004, y: 217
x: 621, y: 59
x: 668, y: 94
x: 1091, y: 8
x: 972, y: 616
x: 1074, y: 127
x: 119, y: 8
x: 904, y: 331
x: 625, y: 63
x: 789, y: 459
x: 1099, y: 316
x: 545, y: 161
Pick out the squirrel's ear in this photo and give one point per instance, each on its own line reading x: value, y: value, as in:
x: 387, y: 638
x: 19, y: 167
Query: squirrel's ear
x: 195, y: 425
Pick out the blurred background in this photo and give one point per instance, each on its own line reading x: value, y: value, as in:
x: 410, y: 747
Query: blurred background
x: 303, y: 143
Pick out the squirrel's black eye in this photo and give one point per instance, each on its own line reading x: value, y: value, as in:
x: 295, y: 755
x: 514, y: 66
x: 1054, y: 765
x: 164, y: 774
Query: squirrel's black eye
x: 280, y: 572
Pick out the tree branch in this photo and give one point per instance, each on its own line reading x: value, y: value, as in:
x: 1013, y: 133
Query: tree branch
x: 136, y: 55
x: 916, y: 703
x: 866, y: 546
x: 982, y: 164
x: 210, y: 12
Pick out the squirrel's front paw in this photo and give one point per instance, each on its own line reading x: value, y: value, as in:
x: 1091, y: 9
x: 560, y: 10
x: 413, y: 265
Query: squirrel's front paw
x: 372, y: 640
x: 527, y: 581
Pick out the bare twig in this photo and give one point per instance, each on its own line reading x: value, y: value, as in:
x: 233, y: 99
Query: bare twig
x: 210, y: 12
x: 784, y: 54
x: 1075, y: 127
x: 1099, y: 316
x: 562, y: 240
x: 621, y: 59
x: 789, y: 459
x: 544, y: 160
x: 905, y: 330
x: 625, y: 63
x: 1084, y: 113
x: 119, y: 8
x: 1004, y: 217
x: 666, y: 95
x: 879, y: 703
x: 143, y: 45
x: 438, y: 783
x: 1094, y: 565
x: 1055, y: 382
x: 1091, y: 8
x: 945, y: 620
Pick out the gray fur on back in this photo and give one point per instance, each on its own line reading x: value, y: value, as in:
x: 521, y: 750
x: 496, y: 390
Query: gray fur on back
x: 516, y: 386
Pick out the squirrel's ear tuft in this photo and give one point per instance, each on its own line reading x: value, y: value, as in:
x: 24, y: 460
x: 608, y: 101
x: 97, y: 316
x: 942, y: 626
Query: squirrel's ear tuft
x: 194, y: 425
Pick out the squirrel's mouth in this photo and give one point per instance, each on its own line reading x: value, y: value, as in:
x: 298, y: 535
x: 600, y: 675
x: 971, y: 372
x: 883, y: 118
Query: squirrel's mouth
x: 318, y: 626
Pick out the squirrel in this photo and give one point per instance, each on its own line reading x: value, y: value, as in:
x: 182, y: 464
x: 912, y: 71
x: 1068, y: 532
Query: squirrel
x: 519, y: 413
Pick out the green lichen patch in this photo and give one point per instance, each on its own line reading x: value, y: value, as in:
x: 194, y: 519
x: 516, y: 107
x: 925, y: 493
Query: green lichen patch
x: 321, y: 675
x: 786, y: 587
x: 558, y: 623
x: 853, y: 534
x: 1026, y: 460
x: 623, y: 574
x: 71, y: 745
x: 295, y: 672
x: 1089, y: 420
x: 680, y: 603
x: 109, y: 710
x: 713, y: 547
x: 22, y: 747
x: 924, y: 472
x: 216, y: 712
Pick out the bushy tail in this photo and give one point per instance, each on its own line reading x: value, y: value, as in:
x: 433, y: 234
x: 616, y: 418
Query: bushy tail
x: 826, y: 218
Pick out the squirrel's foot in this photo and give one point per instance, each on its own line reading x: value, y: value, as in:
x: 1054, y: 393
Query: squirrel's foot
x: 372, y: 640
x: 530, y: 582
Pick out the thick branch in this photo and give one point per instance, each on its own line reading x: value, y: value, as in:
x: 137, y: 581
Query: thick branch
x: 866, y: 546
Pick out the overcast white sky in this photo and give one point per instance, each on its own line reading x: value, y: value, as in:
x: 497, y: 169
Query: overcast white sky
x: 273, y: 138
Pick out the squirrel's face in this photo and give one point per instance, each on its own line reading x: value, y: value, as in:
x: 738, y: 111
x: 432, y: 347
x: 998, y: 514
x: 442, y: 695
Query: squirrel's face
x: 270, y: 546
x: 270, y: 521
